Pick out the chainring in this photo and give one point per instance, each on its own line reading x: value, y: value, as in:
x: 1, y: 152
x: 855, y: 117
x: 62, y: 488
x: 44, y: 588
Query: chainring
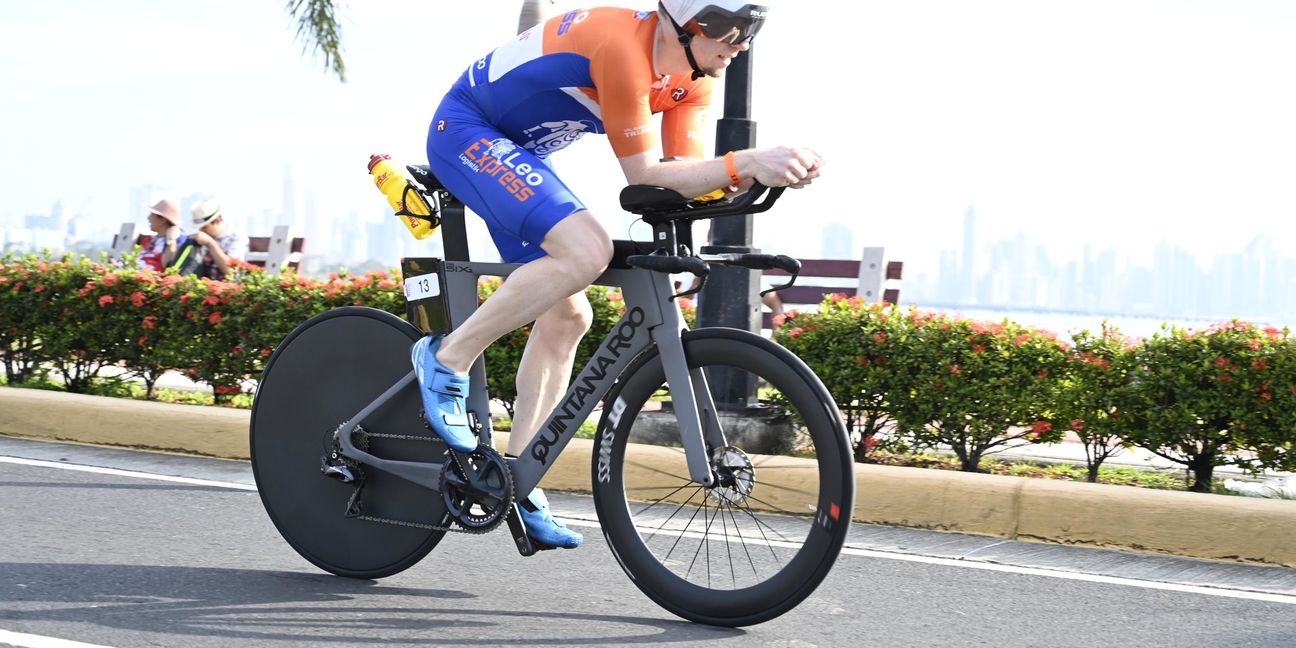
x: 477, y: 489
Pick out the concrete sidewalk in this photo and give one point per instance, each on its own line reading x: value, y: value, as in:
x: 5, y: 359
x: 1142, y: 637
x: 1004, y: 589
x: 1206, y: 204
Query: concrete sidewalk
x: 1187, y: 524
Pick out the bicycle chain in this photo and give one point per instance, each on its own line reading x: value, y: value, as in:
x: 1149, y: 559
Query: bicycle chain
x: 362, y: 443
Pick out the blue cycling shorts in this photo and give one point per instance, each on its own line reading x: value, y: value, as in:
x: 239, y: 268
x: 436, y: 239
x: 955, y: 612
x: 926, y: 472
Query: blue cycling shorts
x: 513, y: 190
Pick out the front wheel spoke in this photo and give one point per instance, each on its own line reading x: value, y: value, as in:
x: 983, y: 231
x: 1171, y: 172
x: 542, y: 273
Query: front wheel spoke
x: 706, y: 540
x: 761, y: 526
x: 659, y: 471
x: 728, y: 549
x: 665, y: 497
x: 743, y: 540
x: 788, y: 489
x: 773, y: 508
x: 686, y: 524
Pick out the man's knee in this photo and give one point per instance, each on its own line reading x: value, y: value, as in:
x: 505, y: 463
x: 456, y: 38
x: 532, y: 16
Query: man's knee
x: 569, y: 320
x: 581, y: 245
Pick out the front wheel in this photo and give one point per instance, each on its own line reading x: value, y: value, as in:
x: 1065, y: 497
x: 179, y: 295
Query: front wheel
x: 754, y: 546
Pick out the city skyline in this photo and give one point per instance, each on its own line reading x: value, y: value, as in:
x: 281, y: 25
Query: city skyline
x: 1014, y: 272
x: 1172, y: 129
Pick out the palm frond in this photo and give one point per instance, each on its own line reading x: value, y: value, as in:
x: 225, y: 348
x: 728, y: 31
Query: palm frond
x: 319, y: 31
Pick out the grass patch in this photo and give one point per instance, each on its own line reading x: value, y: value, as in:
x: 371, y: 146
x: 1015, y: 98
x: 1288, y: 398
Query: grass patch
x: 587, y: 429
x: 123, y: 388
x: 1116, y: 475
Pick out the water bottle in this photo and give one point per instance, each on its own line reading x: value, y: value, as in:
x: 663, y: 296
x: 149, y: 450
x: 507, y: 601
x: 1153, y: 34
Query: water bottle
x: 402, y: 196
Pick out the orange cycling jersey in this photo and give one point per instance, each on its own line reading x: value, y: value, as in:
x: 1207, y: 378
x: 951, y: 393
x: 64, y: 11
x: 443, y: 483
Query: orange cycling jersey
x: 589, y: 70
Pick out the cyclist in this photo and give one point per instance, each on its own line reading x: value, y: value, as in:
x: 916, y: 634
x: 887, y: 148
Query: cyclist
x: 602, y: 70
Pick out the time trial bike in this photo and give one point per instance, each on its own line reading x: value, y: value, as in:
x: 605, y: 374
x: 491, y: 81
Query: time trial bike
x: 724, y: 526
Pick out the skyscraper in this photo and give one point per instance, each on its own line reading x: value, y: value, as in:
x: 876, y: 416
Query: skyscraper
x: 968, y: 292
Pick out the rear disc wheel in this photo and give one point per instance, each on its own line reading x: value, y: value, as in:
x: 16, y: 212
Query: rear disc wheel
x: 322, y: 374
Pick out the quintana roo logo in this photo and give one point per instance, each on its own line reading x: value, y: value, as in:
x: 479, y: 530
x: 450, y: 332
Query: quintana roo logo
x: 553, y: 136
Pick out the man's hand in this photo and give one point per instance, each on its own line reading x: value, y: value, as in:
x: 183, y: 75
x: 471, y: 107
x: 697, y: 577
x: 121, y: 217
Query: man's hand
x: 785, y: 166
x: 203, y: 238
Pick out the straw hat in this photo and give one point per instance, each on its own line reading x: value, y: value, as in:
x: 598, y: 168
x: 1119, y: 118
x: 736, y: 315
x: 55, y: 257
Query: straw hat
x: 166, y: 209
x: 205, y: 212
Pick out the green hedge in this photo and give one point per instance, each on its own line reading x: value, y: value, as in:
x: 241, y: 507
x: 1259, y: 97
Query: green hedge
x: 78, y: 317
x: 1222, y: 396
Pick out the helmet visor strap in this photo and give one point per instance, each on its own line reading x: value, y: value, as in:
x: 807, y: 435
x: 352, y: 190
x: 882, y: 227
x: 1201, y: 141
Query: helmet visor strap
x: 731, y: 26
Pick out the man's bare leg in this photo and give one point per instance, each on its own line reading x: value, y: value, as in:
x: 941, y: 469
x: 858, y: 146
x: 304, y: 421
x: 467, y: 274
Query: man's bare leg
x: 578, y: 249
x: 546, y: 366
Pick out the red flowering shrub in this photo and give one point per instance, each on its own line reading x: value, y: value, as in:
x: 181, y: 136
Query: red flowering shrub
x: 1224, y: 396
x: 975, y: 387
x: 1094, y: 399
x: 939, y: 381
x: 848, y: 344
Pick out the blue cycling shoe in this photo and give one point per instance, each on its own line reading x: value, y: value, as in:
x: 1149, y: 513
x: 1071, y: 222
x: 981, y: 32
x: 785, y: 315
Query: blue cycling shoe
x: 542, y: 527
x: 445, y: 395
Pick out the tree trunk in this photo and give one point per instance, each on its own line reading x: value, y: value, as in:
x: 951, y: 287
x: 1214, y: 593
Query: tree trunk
x: 969, y: 460
x: 1094, y: 457
x: 1202, y: 467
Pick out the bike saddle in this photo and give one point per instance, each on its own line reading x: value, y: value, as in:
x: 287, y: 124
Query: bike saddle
x: 638, y: 199
x: 423, y: 175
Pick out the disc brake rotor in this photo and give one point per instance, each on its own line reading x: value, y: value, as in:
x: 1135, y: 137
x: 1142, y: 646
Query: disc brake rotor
x: 737, y: 476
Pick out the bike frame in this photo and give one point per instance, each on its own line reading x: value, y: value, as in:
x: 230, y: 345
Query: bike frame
x: 652, y: 317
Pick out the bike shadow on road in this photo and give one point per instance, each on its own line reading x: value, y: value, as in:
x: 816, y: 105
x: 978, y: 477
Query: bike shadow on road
x: 298, y: 607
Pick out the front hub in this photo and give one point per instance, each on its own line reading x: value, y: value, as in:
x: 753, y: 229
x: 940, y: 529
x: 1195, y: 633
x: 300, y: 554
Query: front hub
x: 735, y: 477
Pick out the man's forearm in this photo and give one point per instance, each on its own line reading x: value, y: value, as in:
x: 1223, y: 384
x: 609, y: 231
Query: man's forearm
x: 689, y: 177
x: 222, y: 260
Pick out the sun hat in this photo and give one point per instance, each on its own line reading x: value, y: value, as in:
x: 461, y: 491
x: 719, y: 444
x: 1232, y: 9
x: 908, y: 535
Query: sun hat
x: 205, y: 212
x: 166, y: 209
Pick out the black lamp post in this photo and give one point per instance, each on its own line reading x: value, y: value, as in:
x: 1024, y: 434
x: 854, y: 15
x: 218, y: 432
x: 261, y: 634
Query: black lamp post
x: 729, y: 297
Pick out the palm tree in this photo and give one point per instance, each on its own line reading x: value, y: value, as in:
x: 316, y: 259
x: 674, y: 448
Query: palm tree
x: 319, y: 31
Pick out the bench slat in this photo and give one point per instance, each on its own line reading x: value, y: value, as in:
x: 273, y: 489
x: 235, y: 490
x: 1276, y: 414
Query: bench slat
x: 839, y: 268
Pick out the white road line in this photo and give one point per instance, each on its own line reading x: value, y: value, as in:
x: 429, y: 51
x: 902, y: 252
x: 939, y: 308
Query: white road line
x: 38, y: 641
x: 1078, y: 576
x: 987, y: 566
x: 126, y: 473
x: 847, y: 551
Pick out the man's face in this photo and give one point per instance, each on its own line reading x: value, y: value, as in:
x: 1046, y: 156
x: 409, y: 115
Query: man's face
x: 211, y: 227
x: 715, y: 54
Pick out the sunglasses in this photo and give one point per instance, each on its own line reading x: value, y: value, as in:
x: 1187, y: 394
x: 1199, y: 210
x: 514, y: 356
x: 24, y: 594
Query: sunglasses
x: 735, y: 27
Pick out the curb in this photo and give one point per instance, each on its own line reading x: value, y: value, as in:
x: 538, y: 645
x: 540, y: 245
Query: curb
x: 1199, y: 525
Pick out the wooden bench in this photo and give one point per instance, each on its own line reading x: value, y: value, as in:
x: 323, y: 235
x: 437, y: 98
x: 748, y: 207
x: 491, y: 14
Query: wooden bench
x: 274, y: 252
x: 869, y: 272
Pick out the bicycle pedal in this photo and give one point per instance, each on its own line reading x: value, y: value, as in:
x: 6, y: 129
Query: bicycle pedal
x: 525, y: 545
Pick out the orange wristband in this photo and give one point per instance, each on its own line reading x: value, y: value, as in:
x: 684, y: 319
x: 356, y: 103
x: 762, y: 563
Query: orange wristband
x: 732, y: 168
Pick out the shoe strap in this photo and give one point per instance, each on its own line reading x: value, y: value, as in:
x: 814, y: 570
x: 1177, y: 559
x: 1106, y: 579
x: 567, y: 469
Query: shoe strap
x: 450, y: 384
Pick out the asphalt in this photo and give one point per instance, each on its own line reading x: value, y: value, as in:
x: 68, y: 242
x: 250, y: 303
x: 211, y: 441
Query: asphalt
x: 1241, y: 529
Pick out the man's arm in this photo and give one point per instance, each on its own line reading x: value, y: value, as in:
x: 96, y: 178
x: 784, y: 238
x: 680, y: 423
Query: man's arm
x: 219, y: 256
x: 778, y: 166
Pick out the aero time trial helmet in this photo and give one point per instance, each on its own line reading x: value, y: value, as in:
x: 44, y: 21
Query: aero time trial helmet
x: 736, y: 21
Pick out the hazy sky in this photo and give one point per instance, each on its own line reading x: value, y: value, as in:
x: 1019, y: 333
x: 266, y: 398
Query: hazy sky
x: 1113, y: 122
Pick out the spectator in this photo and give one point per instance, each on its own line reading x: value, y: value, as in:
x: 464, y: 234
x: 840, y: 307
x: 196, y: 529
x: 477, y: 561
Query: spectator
x: 222, y: 243
x: 164, y: 220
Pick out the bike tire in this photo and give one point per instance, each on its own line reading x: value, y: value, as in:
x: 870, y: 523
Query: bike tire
x: 628, y: 476
x: 322, y: 374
